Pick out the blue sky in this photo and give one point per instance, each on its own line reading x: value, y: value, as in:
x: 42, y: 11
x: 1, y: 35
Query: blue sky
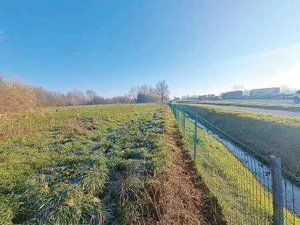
x: 109, y: 46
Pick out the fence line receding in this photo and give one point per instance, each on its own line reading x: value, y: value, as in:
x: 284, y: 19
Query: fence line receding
x: 251, y: 188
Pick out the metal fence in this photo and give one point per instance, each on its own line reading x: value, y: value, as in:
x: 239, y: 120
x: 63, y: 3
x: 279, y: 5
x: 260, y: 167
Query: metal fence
x: 251, y: 188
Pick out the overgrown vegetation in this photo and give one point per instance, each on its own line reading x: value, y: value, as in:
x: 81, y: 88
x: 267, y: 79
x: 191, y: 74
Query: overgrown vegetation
x: 267, y: 134
x: 55, y: 162
x: 16, y: 96
x: 95, y: 165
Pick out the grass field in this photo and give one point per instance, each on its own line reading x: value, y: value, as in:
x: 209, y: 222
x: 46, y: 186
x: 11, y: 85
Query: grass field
x: 54, y: 163
x: 121, y: 164
x: 243, y: 199
x: 265, y: 133
x: 273, y: 105
x: 98, y: 164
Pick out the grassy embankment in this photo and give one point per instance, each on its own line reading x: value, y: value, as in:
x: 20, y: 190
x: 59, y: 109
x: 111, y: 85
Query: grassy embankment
x: 264, y: 133
x: 243, y: 199
x: 259, y: 105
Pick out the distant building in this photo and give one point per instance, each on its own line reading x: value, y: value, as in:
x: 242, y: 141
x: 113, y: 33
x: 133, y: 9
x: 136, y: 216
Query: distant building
x: 246, y: 93
x: 209, y: 96
x: 232, y: 94
x: 265, y: 92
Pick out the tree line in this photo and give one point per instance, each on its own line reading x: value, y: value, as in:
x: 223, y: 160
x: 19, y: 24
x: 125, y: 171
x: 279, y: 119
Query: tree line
x: 75, y: 97
x: 146, y: 93
x: 16, y: 96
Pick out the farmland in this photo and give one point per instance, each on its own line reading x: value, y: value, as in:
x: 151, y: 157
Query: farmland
x: 97, y: 164
x: 265, y: 133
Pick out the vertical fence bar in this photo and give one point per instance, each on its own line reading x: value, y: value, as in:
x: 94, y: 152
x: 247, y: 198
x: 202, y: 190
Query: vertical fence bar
x: 178, y: 112
x: 174, y: 111
x: 277, y: 190
x: 195, y: 138
x: 180, y: 118
x: 183, y: 123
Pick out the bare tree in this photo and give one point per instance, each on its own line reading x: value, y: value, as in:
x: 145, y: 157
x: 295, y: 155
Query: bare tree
x: 75, y: 97
x: 91, y: 95
x: 16, y: 95
x: 143, y: 93
x: 162, y: 90
x: 133, y: 93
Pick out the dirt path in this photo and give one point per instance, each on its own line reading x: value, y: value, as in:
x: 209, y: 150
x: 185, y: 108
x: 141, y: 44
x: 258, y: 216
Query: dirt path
x: 173, y: 194
x: 184, y: 197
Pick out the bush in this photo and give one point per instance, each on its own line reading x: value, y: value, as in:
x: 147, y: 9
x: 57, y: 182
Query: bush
x: 15, y: 96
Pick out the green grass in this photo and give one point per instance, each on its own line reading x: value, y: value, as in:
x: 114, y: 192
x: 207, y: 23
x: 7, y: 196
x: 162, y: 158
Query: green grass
x: 264, y: 133
x: 260, y: 105
x: 243, y: 199
x: 56, y: 163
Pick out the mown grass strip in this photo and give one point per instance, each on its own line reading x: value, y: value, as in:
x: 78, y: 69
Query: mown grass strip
x: 271, y: 106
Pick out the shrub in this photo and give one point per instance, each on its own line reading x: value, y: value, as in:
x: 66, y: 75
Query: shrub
x: 15, y: 96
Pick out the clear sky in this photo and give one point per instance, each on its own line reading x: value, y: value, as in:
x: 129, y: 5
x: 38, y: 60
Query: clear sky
x: 108, y: 45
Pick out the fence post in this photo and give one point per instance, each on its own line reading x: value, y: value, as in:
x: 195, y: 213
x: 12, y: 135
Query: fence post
x: 195, y: 137
x: 277, y: 190
x: 179, y: 118
x: 183, y: 124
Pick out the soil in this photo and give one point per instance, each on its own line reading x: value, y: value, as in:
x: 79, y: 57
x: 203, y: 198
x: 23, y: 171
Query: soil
x: 185, y: 199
